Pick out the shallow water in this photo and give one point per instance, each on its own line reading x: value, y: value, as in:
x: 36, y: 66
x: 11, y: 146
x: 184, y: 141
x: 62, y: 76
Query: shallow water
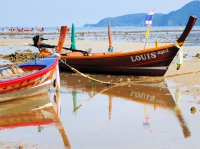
x: 139, y: 114
x: 166, y: 36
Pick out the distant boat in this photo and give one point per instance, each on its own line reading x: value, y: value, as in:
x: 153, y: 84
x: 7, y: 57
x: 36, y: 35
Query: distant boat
x: 58, y: 29
x: 12, y: 29
x: 39, y: 29
x: 27, y: 30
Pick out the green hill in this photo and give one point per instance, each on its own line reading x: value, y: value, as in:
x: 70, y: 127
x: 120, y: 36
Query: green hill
x: 174, y: 18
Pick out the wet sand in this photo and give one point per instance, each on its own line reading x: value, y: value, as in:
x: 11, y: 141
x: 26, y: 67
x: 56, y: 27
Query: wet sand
x: 96, y: 116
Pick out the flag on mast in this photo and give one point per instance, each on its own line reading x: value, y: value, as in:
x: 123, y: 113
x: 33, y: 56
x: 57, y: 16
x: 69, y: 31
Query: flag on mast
x: 147, y: 33
x: 148, y: 22
x: 179, y: 62
x: 149, y: 18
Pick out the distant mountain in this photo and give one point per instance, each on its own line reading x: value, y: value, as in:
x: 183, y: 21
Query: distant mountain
x: 174, y: 18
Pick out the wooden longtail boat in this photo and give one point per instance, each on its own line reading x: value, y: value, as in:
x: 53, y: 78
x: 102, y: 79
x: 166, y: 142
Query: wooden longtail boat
x: 144, y: 62
x: 36, y: 111
x: 30, y: 78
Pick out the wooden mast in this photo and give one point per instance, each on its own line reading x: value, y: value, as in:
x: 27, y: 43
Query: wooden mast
x: 63, y: 33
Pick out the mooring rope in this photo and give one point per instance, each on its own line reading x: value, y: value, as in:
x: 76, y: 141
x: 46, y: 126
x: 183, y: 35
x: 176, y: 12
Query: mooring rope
x: 84, y: 75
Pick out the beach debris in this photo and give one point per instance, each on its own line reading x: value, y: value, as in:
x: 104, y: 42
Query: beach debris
x: 18, y: 57
x: 193, y: 110
x: 185, y: 55
x: 198, y: 55
x: 21, y: 147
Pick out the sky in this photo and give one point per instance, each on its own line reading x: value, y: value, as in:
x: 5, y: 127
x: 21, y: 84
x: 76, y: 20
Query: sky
x: 53, y: 13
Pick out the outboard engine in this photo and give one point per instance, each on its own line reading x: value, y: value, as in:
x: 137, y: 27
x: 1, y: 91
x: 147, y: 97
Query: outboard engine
x: 36, y: 38
x: 42, y: 45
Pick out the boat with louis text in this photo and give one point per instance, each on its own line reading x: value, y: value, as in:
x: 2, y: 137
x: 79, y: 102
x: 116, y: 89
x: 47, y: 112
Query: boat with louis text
x: 145, y: 62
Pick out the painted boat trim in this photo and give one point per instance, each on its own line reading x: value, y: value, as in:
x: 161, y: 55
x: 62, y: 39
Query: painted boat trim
x: 39, y: 89
x: 146, y: 68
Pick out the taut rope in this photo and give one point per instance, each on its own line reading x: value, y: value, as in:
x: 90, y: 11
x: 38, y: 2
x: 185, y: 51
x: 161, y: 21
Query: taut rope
x: 84, y: 75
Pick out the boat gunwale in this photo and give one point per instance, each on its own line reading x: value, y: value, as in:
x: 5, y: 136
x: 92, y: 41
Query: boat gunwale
x: 33, y: 75
x: 117, y: 54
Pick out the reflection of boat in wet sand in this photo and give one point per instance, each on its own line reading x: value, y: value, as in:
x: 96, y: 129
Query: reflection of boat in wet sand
x: 33, y: 111
x: 146, y: 92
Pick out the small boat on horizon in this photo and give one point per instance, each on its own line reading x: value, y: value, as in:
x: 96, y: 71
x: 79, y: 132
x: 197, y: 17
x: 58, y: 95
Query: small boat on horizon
x: 39, y: 29
x: 12, y: 29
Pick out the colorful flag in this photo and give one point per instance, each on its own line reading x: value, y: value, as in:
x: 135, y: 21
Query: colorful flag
x: 149, y: 18
x: 179, y: 59
x: 147, y: 34
x: 73, y: 38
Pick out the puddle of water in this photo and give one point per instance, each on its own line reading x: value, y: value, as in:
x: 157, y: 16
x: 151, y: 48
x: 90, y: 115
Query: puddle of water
x: 89, y: 115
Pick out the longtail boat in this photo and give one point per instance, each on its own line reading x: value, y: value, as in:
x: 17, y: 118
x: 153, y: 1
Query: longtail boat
x: 29, y: 78
x: 144, y: 62
x: 37, y: 111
